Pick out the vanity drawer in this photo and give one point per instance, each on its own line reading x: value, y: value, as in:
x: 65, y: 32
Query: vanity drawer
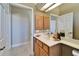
x: 39, y: 43
x: 45, y: 47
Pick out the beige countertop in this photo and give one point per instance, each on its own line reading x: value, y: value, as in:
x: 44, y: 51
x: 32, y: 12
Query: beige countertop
x: 50, y: 42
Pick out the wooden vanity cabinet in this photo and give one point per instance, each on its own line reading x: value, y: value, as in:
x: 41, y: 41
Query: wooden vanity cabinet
x: 39, y: 22
x: 38, y: 48
x: 41, y: 49
x: 55, y: 50
x: 46, y: 22
x: 37, y: 52
x: 42, y: 22
x: 66, y: 50
x: 43, y: 52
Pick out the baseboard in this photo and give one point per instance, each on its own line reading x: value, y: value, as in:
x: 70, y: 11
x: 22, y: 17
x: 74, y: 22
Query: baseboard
x: 19, y: 44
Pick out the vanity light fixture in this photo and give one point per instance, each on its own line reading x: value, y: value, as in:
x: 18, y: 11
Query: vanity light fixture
x: 46, y: 6
x: 52, y: 7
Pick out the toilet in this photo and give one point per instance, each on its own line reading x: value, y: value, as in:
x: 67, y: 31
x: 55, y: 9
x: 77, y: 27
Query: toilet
x: 75, y: 52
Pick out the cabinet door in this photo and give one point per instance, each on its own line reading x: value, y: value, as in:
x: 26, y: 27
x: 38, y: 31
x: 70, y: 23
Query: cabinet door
x: 42, y: 52
x: 55, y: 50
x: 46, y: 48
x: 46, y: 22
x: 66, y: 50
x: 39, y: 22
x: 37, y: 50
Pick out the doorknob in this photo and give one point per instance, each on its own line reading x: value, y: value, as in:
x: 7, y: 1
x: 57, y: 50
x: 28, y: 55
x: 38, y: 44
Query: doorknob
x: 2, y: 48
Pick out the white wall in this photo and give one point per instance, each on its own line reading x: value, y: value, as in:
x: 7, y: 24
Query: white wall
x: 76, y: 25
x: 21, y: 26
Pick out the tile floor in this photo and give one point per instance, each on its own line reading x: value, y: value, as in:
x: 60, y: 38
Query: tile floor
x: 18, y: 51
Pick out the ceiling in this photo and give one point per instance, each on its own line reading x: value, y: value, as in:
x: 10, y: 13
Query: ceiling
x: 34, y: 5
x: 68, y: 7
x: 65, y: 8
x: 58, y: 10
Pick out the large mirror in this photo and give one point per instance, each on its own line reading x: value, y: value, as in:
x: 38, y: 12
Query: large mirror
x: 62, y: 24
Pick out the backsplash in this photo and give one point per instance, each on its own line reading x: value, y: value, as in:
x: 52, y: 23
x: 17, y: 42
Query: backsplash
x: 42, y: 31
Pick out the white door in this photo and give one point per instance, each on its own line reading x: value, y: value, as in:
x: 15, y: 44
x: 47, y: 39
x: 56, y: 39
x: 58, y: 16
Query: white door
x: 0, y: 21
x: 3, y: 35
x: 20, y: 27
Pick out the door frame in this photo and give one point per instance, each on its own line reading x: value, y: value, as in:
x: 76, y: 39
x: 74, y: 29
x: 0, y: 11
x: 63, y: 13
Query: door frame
x: 32, y: 22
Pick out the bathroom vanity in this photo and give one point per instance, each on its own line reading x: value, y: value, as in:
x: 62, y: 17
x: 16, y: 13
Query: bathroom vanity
x: 42, y: 49
x: 44, y: 46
